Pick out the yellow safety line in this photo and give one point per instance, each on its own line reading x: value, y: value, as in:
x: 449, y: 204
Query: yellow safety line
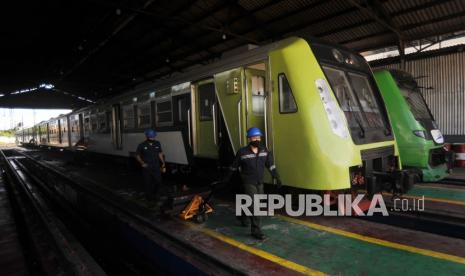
x: 432, y: 199
x: 263, y: 254
x: 384, y: 243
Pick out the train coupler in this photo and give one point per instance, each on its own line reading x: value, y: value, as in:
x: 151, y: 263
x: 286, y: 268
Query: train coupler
x: 397, y: 182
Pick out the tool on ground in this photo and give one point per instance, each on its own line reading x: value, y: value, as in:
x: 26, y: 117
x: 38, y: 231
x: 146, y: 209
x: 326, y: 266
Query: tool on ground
x: 199, y: 208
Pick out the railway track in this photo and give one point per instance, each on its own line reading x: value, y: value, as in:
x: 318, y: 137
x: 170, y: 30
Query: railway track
x: 452, y: 181
x: 108, y: 215
x: 49, y: 247
x: 437, y: 218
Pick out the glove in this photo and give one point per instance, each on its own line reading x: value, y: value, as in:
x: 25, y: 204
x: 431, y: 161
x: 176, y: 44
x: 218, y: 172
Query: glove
x: 279, y: 184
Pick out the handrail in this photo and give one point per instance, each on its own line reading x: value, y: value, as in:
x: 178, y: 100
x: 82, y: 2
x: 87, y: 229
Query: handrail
x: 215, y: 138
x: 239, y: 109
x: 189, y: 127
x: 265, y: 120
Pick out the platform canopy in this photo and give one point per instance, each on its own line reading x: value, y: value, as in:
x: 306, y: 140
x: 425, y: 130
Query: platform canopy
x: 97, y: 48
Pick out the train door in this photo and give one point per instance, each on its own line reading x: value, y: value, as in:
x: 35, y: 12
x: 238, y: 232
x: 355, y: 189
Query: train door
x: 81, y: 126
x: 284, y: 116
x: 59, y: 131
x: 231, y: 99
x: 255, y: 94
x: 116, y: 135
x: 181, y: 109
x: 204, y: 119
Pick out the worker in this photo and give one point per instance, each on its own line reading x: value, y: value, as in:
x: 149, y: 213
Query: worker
x: 252, y: 160
x: 149, y: 155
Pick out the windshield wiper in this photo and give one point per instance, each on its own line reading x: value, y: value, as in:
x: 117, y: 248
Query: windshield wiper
x: 362, y: 130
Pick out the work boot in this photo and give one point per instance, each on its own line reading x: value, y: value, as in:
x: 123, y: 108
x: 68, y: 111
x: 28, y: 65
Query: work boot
x: 258, y: 235
x: 244, y: 221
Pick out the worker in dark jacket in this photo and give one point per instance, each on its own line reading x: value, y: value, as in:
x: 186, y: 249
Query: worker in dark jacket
x: 149, y: 155
x: 251, y: 161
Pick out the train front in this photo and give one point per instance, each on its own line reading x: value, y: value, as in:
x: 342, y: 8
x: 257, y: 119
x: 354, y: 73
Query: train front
x: 421, y: 144
x: 375, y: 166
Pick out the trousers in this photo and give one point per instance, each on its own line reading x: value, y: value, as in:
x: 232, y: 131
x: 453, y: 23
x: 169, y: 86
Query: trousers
x: 251, y: 190
x: 152, y: 183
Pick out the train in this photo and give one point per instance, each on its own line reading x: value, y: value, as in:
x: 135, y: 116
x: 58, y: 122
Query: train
x: 322, y: 115
x: 420, y: 142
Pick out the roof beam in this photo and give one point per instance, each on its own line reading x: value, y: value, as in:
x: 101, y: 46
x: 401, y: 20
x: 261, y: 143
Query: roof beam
x: 376, y: 11
x: 99, y: 46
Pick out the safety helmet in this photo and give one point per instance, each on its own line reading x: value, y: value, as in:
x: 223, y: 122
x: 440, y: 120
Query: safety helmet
x: 254, y: 131
x: 150, y: 133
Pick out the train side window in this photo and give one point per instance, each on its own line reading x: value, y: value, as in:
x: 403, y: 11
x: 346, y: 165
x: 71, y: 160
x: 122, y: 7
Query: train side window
x: 287, y: 102
x: 206, y: 100
x: 143, y: 113
x: 128, y: 117
x: 258, y: 95
x: 102, y: 122
x: 164, y: 115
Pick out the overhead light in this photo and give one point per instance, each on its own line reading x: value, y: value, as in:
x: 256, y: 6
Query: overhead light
x: 223, y: 36
x: 47, y: 86
x: 118, y: 11
x: 167, y: 60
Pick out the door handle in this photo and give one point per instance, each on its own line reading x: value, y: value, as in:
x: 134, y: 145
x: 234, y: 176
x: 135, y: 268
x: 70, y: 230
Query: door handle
x: 239, y: 109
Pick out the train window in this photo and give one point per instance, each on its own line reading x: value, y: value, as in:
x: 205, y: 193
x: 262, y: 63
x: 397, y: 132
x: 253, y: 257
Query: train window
x: 367, y: 99
x: 102, y: 122
x: 128, y: 117
x: 287, y: 102
x: 182, y: 110
x: 206, y: 100
x: 164, y: 115
x: 143, y: 113
x: 258, y: 95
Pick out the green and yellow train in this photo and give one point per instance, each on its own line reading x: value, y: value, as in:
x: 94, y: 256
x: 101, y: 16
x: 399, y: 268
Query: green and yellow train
x: 421, y: 144
x: 318, y: 104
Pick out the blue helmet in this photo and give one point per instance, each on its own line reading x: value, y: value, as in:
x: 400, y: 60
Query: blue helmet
x: 254, y: 131
x: 150, y: 133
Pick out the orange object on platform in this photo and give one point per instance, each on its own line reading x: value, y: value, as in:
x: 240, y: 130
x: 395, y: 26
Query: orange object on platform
x: 192, y: 209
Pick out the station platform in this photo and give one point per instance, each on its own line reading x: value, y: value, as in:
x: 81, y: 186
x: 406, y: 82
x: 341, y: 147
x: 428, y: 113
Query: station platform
x: 294, y: 245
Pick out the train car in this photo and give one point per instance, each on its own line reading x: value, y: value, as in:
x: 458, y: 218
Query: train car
x: 54, y: 132
x: 27, y: 136
x: 43, y: 137
x: 421, y: 144
x: 19, y: 137
x: 318, y: 104
x: 99, y: 136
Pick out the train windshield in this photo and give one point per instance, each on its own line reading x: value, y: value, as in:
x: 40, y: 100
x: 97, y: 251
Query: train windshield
x: 355, y: 96
x: 412, y: 94
x: 417, y: 103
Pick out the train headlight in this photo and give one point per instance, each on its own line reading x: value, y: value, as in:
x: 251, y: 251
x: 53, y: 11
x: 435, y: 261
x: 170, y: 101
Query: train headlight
x: 420, y: 133
x: 437, y: 136
x: 334, y: 114
x: 338, y: 56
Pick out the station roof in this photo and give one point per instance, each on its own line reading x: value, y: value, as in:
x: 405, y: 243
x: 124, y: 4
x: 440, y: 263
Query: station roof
x: 96, y: 48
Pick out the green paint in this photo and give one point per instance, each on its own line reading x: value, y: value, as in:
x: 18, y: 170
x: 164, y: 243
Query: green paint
x: 414, y: 150
x: 449, y: 194
x: 330, y: 253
